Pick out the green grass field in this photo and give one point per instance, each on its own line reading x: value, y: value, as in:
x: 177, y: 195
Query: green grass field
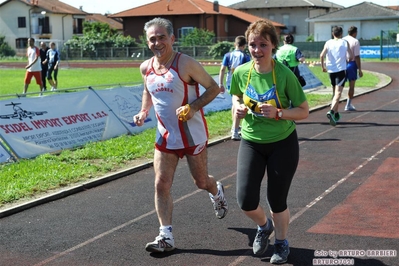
x: 12, y: 79
x: 29, y: 178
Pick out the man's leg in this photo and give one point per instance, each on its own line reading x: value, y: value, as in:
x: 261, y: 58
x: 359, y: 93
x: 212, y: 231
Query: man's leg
x: 351, y: 93
x: 55, y: 78
x: 28, y: 78
x: 44, y: 72
x: 164, y: 167
x: 337, y: 97
x: 235, y: 125
x: 199, y: 170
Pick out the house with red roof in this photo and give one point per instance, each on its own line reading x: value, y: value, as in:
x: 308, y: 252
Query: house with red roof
x: 50, y: 20
x: 225, y: 22
x: 40, y: 19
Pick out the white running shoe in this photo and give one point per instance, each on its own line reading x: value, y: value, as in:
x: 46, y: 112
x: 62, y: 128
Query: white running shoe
x: 235, y: 135
x: 220, y: 206
x: 350, y: 107
x: 162, y: 243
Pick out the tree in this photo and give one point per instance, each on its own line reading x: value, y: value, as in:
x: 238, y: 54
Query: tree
x: 5, y: 49
x: 220, y: 49
x: 198, y: 37
x: 100, y: 35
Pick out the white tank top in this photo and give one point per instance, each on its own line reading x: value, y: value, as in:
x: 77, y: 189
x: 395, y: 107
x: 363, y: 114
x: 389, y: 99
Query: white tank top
x: 169, y: 92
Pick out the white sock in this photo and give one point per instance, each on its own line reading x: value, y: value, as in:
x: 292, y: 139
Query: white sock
x: 348, y: 102
x: 166, y: 230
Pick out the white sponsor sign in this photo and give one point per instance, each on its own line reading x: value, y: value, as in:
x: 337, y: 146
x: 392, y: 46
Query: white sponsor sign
x: 38, y: 125
x: 125, y: 102
x: 4, y: 154
x: 34, y: 126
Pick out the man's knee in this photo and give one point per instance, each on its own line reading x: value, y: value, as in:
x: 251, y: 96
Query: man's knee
x: 202, y: 182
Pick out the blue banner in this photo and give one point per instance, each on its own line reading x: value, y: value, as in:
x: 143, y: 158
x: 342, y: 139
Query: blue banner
x: 375, y: 52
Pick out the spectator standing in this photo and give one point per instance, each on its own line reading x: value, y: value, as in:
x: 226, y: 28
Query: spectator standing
x: 290, y: 55
x: 171, y: 85
x: 53, y: 61
x: 34, y: 68
x: 43, y: 55
x: 335, y: 51
x: 269, y: 99
x: 231, y: 61
x: 353, y: 66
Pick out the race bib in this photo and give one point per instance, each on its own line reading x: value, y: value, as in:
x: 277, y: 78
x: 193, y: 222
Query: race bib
x: 252, y: 99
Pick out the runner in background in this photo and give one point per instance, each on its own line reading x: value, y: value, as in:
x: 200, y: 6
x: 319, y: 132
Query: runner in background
x: 231, y: 61
x: 353, y: 66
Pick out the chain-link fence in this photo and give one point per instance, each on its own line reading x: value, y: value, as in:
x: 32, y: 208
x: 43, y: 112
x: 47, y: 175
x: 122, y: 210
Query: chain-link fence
x: 309, y: 49
x: 137, y: 53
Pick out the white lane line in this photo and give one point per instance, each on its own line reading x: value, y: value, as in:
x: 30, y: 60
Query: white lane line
x: 61, y: 254
x: 241, y: 258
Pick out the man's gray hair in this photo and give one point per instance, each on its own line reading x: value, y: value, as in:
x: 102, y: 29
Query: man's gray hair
x: 162, y: 22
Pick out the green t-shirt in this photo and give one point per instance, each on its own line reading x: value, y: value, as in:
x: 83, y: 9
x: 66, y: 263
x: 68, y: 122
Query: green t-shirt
x: 260, y: 129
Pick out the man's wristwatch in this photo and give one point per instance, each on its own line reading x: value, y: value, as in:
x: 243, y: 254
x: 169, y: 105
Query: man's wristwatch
x: 279, y: 114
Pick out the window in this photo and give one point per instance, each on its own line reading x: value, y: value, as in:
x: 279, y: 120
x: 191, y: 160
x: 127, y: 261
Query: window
x: 44, y: 23
x: 271, y: 17
x: 183, y: 31
x: 286, y: 19
x: 78, y: 25
x: 21, y: 22
x: 21, y: 43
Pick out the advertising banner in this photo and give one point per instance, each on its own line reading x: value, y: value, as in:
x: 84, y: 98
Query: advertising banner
x: 375, y: 52
x: 125, y: 102
x: 38, y: 125
x: 4, y: 154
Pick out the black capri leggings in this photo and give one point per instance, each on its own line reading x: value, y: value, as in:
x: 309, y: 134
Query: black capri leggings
x: 281, y: 160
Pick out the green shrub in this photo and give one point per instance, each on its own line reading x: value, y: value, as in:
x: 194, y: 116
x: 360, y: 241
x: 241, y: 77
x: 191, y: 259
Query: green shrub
x: 5, y: 49
x: 220, y: 49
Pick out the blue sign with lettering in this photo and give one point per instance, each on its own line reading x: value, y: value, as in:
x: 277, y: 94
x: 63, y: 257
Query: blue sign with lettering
x: 375, y: 52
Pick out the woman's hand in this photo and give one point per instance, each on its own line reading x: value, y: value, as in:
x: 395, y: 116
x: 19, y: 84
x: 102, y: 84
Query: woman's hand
x: 267, y: 110
x: 241, y: 111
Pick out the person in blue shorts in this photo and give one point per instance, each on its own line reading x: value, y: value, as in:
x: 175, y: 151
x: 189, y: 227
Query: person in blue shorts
x: 353, y: 66
x: 231, y: 61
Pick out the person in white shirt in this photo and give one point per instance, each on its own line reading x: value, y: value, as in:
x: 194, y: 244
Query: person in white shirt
x: 335, y: 51
x: 353, y: 66
x: 34, y: 67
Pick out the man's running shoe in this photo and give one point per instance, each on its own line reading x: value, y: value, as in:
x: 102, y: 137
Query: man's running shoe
x: 235, y: 135
x: 350, y: 107
x: 261, y: 241
x: 220, y: 206
x: 280, y: 254
x: 161, y: 244
x: 331, y: 116
x: 337, y: 116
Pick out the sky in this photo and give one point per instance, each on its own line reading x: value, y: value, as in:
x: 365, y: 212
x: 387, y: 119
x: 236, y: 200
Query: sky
x: 116, y: 6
